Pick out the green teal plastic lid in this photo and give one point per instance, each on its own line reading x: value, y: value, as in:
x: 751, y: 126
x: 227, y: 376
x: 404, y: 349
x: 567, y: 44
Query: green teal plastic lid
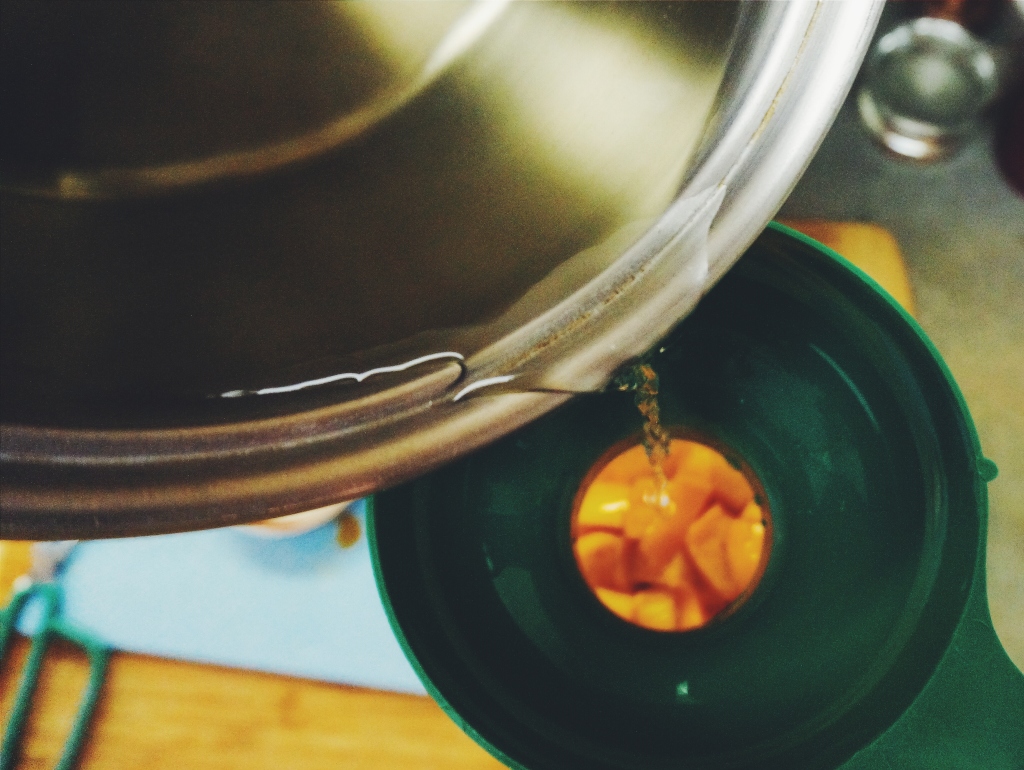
x: 867, y: 642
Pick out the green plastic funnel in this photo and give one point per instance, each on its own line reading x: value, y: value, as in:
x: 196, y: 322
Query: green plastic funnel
x: 867, y: 643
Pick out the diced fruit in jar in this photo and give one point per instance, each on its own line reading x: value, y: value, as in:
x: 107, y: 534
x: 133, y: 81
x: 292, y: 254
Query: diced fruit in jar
x: 691, y: 611
x: 669, y: 557
x: 603, y: 506
x: 617, y: 601
x: 706, y: 543
x: 744, y: 544
x: 655, y: 609
x: 661, y: 543
x: 602, y: 560
x: 644, y: 507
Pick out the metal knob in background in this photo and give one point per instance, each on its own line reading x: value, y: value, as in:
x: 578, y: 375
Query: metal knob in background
x: 925, y: 85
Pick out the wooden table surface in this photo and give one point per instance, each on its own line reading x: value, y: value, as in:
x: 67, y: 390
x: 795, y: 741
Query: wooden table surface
x: 167, y: 714
x: 157, y: 714
x: 162, y: 714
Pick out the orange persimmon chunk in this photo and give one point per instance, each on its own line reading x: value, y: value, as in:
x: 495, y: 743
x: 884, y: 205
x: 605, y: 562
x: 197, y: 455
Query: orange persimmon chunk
x: 627, y: 467
x: 644, y: 507
x: 691, y: 611
x: 655, y: 609
x: 602, y: 560
x: 744, y: 543
x: 603, y: 505
x: 730, y: 485
x: 618, y: 602
x: 706, y: 542
x: 691, y: 495
x: 660, y: 544
x: 675, y: 575
x: 669, y: 558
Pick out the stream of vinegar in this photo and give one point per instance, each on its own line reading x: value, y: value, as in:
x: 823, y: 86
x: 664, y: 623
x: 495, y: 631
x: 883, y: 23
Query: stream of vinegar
x: 643, y: 381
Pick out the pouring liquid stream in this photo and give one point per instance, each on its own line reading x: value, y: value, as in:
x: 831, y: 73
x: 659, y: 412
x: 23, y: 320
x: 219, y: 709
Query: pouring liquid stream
x: 643, y: 381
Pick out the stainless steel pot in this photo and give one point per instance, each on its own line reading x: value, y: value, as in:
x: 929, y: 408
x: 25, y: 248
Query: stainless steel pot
x: 364, y: 239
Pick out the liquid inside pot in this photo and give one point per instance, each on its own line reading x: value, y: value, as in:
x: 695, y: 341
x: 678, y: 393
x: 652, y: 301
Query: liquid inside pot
x: 560, y: 128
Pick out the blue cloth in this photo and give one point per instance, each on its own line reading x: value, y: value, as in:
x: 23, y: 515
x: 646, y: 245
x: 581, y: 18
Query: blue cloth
x: 301, y: 606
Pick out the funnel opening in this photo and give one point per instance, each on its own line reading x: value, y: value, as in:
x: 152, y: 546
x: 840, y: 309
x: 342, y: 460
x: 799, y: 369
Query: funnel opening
x: 672, y: 546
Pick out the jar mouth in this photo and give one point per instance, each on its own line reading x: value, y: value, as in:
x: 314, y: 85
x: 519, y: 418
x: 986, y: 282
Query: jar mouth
x: 673, y: 546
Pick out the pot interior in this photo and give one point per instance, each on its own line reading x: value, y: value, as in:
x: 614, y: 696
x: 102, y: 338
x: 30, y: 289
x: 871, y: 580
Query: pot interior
x: 154, y: 259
